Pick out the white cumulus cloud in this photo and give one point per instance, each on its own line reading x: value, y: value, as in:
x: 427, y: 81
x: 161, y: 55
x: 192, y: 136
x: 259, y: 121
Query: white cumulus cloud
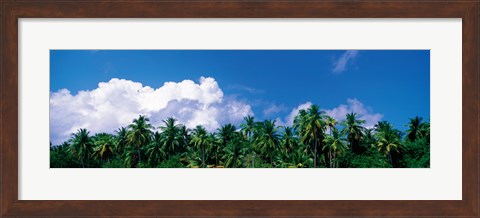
x: 117, y: 102
x: 288, y: 121
x: 355, y: 106
x: 340, y: 65
x: 339, y: 113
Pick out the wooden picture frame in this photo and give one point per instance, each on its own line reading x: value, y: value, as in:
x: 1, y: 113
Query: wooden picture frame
x: 12, y: 10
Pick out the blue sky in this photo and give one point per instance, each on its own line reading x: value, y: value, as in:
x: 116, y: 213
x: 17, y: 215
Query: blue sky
x: 393, y: 84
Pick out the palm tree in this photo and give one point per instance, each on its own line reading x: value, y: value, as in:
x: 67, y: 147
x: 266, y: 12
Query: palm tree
x: 300, y: 121
x: 131, y: 156
x: 171, y: 138
x: 225, y: 134
x: 200, y: 140
x: 425, y: 131
x: 414, y: 128
x: 268, y: 139
x: 234, y: 153
x: 121, y: 140
x: 62, y: 146
x: 214, y: 148
x: 335, y: 144
x: 313, y: 127
x: 155, y: 150
x: 139, y: 134
x: 289, y: 140
x: 369, y: 137
x: 60, y: 156
x: 185, y: 137
x: 330, y: 123
x: 388, y: 139
x: 105, y: 146
x: 248, y: 126
x: 299, y: 126
x: 354, y: 130
x: 299, y: 159
x: 81, y: 145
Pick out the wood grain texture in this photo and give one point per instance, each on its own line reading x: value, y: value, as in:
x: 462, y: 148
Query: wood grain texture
x: 240, y: 9
x: 12, y: 10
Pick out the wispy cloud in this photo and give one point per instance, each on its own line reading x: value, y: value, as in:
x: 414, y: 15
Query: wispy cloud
x: 273, y: 109
x: 245, y: 88
x: 340, y: 65
x: 108, y: 68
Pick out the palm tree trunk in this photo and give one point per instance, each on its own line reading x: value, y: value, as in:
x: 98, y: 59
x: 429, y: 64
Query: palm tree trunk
x: 253, y: 159
x: 203, y: 156
x: 332, y: 159
x: 330, y: 156
x: 334, y: 162
x: 390, y: 157
x: 138, y: 151
x: 315, y: 155
x: 139, y: 160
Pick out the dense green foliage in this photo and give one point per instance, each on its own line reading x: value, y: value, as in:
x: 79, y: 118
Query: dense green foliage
x: 314, y: 140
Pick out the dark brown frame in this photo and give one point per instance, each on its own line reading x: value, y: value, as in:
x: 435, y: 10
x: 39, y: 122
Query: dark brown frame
x: 11, y: 10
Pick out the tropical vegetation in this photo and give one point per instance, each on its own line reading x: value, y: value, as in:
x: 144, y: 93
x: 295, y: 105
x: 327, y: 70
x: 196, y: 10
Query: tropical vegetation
x: 315, y: 140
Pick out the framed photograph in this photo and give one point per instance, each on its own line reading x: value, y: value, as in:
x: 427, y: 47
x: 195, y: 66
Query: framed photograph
x: 258, y: 108
x: 229, y: 120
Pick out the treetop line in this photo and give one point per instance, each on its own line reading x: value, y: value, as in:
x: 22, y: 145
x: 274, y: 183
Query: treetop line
x: 314, y: 140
